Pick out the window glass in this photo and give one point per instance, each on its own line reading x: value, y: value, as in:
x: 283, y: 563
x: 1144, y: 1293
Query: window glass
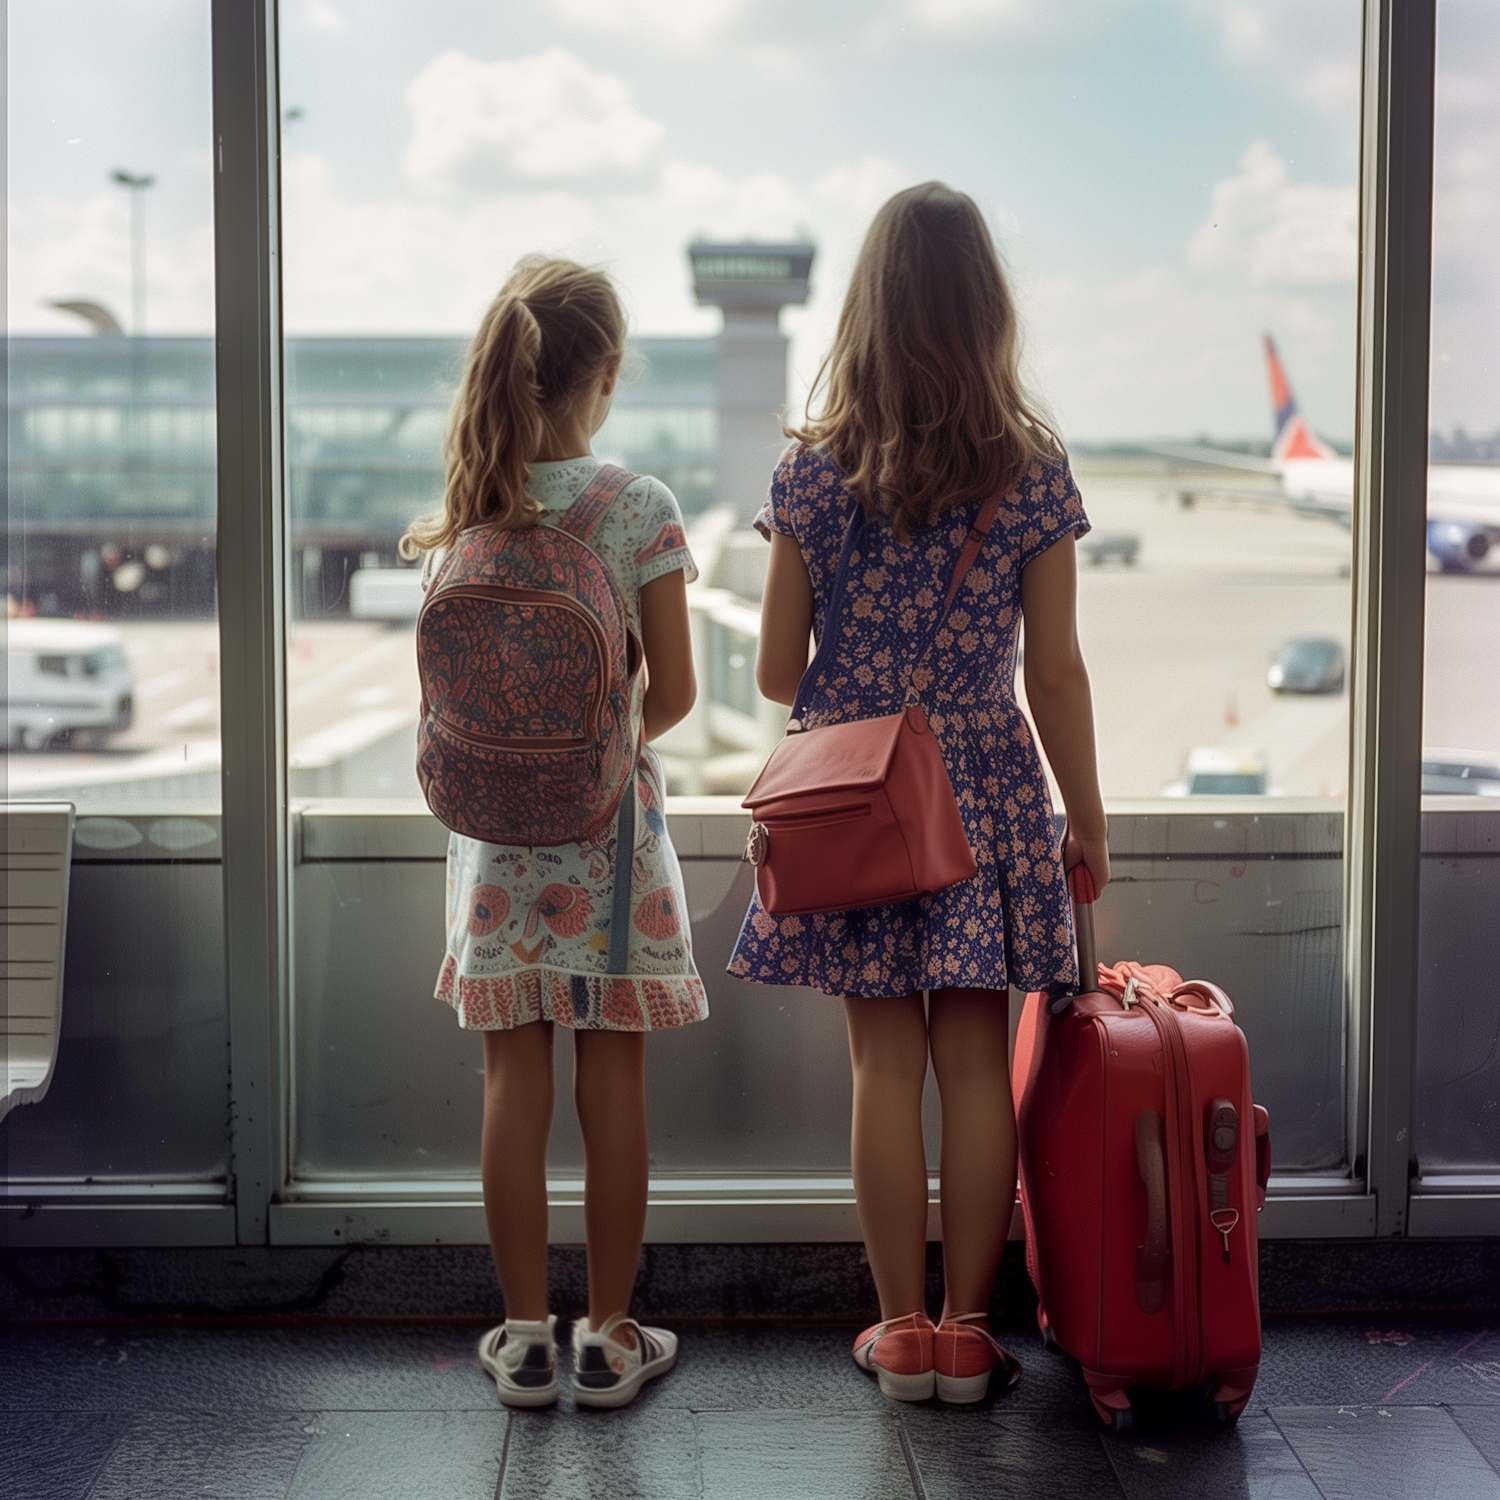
x: 112, y: 689
x: 1174, y: 188
x: 112, y: 670
x: 1458, y: 1058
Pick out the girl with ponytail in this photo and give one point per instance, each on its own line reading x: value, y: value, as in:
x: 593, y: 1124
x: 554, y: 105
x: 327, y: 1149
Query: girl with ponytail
x: 530, y: 934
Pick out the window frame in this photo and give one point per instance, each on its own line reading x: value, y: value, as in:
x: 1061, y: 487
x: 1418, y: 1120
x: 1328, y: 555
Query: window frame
x: 1382, y: 829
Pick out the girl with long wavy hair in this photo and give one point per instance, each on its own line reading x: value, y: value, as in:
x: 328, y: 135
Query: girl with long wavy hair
x: 923, y: 417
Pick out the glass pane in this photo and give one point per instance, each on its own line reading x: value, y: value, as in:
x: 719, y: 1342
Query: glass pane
x: 1458, y: 1054
x: 112, y: 686
x: 1181, y: 234
x: 112, y: 691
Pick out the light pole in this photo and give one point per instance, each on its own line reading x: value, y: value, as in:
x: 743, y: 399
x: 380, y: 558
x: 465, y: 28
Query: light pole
x: 137, y: 183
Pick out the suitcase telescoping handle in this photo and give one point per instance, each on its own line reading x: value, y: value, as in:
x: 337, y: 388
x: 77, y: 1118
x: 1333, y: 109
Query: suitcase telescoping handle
x: 1081, y: 888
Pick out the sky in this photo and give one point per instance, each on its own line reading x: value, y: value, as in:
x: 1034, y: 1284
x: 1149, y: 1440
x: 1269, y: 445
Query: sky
x: 1167, y: 179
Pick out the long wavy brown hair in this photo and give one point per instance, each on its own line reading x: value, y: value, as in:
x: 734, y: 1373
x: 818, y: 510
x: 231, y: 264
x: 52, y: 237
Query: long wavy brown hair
x: 551, y: 330
x: 922, y: 402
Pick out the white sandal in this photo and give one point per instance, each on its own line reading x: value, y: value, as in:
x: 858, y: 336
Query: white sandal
x: 606, y: 1372
x: 521, y: 1358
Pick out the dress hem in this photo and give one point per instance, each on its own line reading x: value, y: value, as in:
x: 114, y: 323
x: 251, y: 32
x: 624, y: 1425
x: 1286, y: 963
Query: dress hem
x: 581, y: 1002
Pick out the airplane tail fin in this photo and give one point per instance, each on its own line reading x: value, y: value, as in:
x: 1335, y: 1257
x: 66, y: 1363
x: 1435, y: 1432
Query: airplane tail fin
x: 1294, y: 438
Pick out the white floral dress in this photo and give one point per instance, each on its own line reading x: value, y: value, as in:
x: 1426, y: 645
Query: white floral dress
x: 528, y: 928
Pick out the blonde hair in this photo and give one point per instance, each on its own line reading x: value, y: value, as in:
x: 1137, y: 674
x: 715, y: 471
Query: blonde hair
x: 553, y: 327
x: 923, y: 405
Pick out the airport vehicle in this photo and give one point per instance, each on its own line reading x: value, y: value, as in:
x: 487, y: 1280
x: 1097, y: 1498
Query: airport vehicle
x: 1098, y: 547
x: 65, y: 680
x: 1215, y: 772
x: 1460, y: 773
x: 1308, y: 664
x: 1463, y: 500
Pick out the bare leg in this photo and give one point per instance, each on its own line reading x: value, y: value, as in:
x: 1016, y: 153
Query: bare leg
x: 609, y: 1090
x: 888, y: 1048
x: 518, y: 1092
x: 969, y: 1033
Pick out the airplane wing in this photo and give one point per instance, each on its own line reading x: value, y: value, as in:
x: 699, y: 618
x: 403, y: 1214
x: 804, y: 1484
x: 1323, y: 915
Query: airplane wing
x: 1199, y: 453
x: 1189, y: 490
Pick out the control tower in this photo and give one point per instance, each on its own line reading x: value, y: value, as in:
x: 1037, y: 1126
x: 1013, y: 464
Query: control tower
x: 751, y: 282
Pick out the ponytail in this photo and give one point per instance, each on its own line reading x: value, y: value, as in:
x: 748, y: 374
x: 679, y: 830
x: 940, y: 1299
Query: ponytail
x: 549, y: 332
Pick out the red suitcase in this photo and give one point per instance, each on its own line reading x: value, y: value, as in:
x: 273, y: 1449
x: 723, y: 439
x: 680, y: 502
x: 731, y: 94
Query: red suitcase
x: 1143, y: 1164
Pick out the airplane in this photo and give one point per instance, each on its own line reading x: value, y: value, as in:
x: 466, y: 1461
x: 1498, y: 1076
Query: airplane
x: 1463, y: 500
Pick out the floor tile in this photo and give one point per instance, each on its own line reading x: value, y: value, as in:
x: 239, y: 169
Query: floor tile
x: 1003, y: 1454
x: 331, y: 1367
x: 772, y: 1455
x: 205, y: 1456
x: 1360, y: 1363
x: 753, y: 1367
x: 1481, y: 1425
x: 1251, y: 1461
x: 1387, y: 1453
x: 561, y: 1453
x: 401, y: 1455
x: 56, y: 1454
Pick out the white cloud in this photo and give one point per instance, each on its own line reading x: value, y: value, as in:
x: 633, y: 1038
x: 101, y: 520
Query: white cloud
x: 1311, y: 50
x: 391, y: 264
x: 861, y: 187
x: 962, y: 15
x: 324, y: 16
x: 1103, y: 348
x: 1275, y: 231
x: 479, y: 124
x: 681, y: 23
x: 80, y: 250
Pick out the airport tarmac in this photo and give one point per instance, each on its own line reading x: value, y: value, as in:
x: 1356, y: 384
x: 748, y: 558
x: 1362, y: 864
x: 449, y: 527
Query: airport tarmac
x: 1177, y: 645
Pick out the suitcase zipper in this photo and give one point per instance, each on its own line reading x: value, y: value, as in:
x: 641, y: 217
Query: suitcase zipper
x: 1184, y: 1208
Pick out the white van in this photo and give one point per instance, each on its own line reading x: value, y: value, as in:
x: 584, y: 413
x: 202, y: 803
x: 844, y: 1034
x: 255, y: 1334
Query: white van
x: 67, y: 680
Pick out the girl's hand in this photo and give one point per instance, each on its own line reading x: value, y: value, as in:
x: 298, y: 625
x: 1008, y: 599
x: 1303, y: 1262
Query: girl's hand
x: 1091, y: 853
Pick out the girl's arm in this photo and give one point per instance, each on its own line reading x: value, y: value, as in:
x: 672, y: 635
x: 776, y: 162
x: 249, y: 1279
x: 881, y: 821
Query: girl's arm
x: 1062, y: 708
x: 668, y: 642
x: 786, y: 614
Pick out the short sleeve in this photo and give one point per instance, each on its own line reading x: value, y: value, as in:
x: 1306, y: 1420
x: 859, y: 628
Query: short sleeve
x: 1053, y: 508
x: 657, y: 537
x: 776, y: 514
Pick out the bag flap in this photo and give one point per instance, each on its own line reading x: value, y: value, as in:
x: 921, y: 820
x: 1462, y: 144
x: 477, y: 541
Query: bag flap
x: 835, y: 758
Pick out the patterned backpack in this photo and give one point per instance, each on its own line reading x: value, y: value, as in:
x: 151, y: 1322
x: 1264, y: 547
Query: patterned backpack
x: 531, y: 681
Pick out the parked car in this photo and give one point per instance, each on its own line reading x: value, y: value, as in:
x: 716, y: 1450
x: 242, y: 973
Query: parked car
x: 1461, y: 773
x: 1212, y: 772
x: 66, y: 681
x: 1308, y: 664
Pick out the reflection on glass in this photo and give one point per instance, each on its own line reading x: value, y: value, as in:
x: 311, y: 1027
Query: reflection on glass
x: 112, y: 690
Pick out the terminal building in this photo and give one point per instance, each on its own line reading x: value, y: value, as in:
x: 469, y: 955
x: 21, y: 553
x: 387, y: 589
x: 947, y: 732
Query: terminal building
x: 112, y: 453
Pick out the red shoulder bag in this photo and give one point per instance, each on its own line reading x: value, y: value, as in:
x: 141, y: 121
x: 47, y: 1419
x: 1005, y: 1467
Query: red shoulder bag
x: 860, y: 814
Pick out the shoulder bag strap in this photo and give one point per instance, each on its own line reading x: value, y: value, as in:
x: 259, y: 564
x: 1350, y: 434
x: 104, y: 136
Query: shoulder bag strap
x: 978, y: 533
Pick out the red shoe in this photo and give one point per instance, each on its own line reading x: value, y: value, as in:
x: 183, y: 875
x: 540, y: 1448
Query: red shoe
x: 965, y: 1355
x: 899, y: 1353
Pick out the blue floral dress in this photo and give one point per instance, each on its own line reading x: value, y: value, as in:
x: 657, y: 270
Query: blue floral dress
x: 1011, y: 923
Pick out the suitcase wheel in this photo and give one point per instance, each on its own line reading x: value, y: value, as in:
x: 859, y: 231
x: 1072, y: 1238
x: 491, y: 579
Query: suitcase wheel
x: 1049, y: 1340
x: 1227, y: 1414
x: 1122, y: 1420
x: 1118, y: 1418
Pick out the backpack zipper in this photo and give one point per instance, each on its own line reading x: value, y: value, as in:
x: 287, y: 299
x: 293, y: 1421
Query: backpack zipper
x: 546, y: 601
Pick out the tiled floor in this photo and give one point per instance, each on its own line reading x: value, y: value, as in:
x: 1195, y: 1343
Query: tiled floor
x: 369, y: 1411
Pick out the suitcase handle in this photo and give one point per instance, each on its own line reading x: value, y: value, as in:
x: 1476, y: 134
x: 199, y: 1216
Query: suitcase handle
x: 1081, y: 888
x: 1219, y: 1004
x: 1152, y: 1258
x: 1262, y: 1152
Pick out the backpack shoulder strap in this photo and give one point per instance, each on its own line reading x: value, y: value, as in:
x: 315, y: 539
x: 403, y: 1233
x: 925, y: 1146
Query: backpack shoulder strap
x: 585, y: 513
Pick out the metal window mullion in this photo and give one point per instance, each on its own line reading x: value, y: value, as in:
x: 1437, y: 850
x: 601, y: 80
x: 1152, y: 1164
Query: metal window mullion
x: 252, y: 661
x: 1383, y: 856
